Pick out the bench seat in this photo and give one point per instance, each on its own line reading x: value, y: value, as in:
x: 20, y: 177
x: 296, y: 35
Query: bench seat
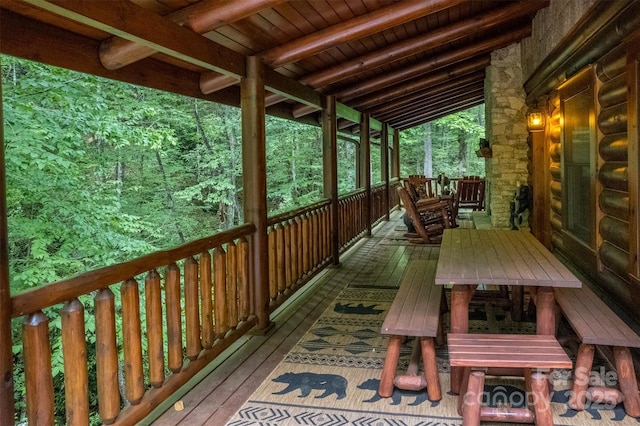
x: 414, y: 312
x: 596, y: 324
x: 536, y: 355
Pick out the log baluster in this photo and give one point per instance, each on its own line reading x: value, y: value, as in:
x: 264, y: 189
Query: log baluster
x: 155, y: 346
x: 206, y: 294
x: 219, y: 291
x: 192, y: 308
x: 76, y: 377
x: 232, y: 284
x: 37, y: 368
x: 306, y: 235
x: 132, y: 341
x: 174, y: 317
x: 273, y: 259
x: 280, y: 262
x: 287, y: 255
x: 300, y: 246
x: 107, y: 356
x: 315, y: 241
x: 295, y: 273
x: 243, y: 279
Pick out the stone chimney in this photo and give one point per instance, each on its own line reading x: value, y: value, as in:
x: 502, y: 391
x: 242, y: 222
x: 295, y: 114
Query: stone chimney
x: 506, y: 131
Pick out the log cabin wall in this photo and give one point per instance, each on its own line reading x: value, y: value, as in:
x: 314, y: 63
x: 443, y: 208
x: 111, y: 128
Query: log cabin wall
x: 613, y: 199
x: 552, y: 58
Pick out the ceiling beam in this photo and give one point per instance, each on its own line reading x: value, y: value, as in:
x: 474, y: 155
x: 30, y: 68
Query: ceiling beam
x: 405, y: 89
x: 433, y: 63
x: 422, y: 43
x: 123, y: 18
x: 438, y: 113
x: 435, y: 103
x: 361, y: 26
x: 30, y: 39
x: 450, y: 86
x: 200, y: 17
x: 422, y: 104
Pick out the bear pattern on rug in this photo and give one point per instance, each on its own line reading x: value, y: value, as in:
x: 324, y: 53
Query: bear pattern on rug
x: 306, y: 382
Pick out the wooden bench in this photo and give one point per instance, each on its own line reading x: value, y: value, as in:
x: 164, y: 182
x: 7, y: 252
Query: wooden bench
x: 596, y: 324
x: 415, y: 312
x: 535, y: 354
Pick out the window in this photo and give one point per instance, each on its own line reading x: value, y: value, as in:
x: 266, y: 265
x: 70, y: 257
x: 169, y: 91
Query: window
x: 578, y: 158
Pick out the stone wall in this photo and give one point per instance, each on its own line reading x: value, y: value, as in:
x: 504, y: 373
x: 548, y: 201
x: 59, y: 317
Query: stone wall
x: 506, y: 131
x: 549, y: 26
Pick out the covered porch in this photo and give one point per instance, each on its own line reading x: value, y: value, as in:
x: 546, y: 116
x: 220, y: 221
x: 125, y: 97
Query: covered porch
x: 366, y: 70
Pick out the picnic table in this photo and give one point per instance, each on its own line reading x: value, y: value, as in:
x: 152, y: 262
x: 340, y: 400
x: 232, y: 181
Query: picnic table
x: 469, y: 257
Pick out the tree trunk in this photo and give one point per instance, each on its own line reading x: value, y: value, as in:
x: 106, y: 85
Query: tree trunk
x: 462, y: 153
x: 171, y: 203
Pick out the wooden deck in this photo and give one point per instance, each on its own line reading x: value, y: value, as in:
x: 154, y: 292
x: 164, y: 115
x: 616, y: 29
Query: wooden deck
x: 213, y: 398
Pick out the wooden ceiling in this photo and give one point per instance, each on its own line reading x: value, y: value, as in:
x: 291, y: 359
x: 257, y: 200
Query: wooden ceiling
x: 403, y: 62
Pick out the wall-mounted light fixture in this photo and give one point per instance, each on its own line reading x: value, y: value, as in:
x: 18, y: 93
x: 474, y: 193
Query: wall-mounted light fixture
x: 535, y: 120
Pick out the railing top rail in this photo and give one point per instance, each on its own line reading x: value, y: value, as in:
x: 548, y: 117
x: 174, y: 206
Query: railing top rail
x: 352, y: 193
x: 35, y: 299
x: 291, y: 214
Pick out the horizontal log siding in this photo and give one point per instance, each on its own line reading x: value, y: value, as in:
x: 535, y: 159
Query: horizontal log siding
x: 555, y: 174
x: 194, y: 300
x: 613, y: 175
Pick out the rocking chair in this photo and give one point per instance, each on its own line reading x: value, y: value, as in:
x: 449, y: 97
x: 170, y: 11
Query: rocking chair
x: 429, y: 219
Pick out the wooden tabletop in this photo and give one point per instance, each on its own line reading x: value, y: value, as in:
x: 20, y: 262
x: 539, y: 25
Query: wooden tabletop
x: 499, y: 257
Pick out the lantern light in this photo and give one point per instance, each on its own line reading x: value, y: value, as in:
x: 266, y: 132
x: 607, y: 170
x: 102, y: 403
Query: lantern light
x: 535, y: 120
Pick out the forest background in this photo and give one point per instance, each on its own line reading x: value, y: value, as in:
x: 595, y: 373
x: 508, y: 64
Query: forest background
x: 100, y: 172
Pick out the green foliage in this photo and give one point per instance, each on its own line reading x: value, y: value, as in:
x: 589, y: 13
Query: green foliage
x: 101, y: 172
x: 454, y: 142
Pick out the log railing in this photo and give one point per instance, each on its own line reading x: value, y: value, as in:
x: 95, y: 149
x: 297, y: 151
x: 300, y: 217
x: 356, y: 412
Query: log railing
x: 299, y: 245
x: 352, y: 222
x: 194, y: 302
x: 161, y: 318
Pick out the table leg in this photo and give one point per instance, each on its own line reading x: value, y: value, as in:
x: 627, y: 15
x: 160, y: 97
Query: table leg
x: 545, y: 311
x: 460, y: 297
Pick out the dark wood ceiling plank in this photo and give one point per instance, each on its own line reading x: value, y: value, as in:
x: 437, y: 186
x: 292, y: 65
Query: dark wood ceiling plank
x: 451, y: 109
x: 469, y: 69
x: 365, y: 25
x: 434, y: 63
x: 200, y: 17
x: 421, y: 43
x: 437, y: 102
x: 420, y: 103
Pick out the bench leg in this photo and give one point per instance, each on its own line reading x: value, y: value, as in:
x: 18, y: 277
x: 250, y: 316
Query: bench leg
x: 460, y: 297
x: 472, y: 405
x: 517, y: 297
x: 545, y: 311
x: 541, y: 400
x: 430, y: 368
x: 581, y: 373
x: 385, y: 388
x: 628, y: 381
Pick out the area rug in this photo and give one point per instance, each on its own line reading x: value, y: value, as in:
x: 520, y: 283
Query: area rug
x: 331, y: 377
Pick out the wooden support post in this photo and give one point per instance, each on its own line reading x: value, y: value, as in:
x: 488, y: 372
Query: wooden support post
x: 472, y: 399
x: 254, y: 172
x: 385, y: 389
x: 541, y: 400
x: 330, y: 170
x: 365, y: 166
x: 6, y: 356
x: 395, y: 154
x: 546, y: 315
x: 384, y: 166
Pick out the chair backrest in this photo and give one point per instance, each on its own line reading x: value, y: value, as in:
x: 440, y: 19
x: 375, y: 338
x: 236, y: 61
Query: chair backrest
x: 470, y: 193
x: 412, y: 212
x: 419, y: 183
